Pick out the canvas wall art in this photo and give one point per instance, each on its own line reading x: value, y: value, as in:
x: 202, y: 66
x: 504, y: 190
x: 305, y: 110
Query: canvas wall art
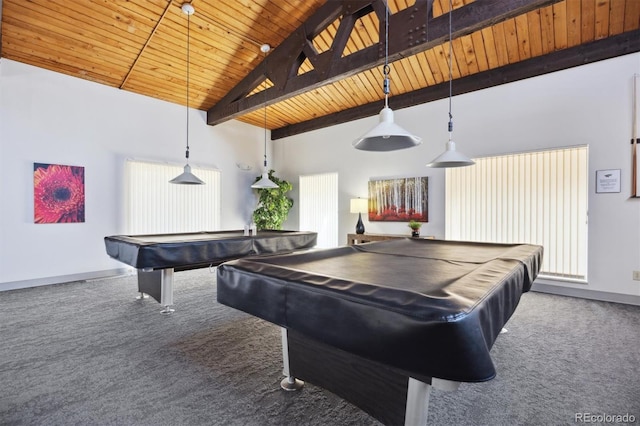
x: 58, y: 193
x: 399, y: 200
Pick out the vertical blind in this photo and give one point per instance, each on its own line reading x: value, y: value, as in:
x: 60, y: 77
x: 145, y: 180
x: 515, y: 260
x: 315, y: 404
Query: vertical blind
x: 153, y: 205
x: 537, y: 197
x: 319, y: 207
x: 635, y: 138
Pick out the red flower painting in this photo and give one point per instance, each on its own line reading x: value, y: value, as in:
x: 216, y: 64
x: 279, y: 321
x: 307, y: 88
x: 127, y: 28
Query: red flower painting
x: 58, y: 193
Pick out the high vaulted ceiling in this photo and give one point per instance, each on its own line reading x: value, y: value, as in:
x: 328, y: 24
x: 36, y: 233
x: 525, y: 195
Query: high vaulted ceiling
x: 325, y: 66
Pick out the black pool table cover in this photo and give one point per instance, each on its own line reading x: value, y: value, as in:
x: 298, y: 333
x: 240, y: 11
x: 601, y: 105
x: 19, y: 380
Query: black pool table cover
x: 196, y: 249
x: 430, y: 308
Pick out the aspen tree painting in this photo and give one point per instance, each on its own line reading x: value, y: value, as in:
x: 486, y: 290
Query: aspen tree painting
x: 399, y: 200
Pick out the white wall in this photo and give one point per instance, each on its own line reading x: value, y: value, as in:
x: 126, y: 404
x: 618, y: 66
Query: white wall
x: 53, y: 118
x: 590, y: 105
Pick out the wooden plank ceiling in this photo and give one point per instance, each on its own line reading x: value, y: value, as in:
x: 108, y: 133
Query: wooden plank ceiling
x: 141, y: 46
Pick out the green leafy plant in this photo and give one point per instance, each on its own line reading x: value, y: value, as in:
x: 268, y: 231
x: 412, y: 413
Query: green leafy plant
x: 273, y: 204
x: 415, y: 225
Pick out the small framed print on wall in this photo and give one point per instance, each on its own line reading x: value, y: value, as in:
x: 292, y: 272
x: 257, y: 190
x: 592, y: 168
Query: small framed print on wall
x: 608, y: 180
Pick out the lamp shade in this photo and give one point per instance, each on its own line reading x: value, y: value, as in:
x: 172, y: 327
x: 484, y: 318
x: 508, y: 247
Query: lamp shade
x: 359, y: 205
x: 187, y: 178
x: 386, y: 136
x: 451, y: 158
x: 265, y: 182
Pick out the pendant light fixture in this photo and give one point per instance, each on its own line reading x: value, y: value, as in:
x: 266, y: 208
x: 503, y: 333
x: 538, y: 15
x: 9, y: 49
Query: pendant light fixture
x: 265, y: 182
x: 451, y: 157
x: 187, y: 178
x: 386, y: 136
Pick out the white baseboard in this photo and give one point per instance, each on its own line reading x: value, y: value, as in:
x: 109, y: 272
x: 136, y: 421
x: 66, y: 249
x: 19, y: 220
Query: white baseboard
x: 604, y: 296
x: 15, y: 285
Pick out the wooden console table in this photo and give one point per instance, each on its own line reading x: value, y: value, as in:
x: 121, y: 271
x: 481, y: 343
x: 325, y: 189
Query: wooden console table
x: 367, y: 238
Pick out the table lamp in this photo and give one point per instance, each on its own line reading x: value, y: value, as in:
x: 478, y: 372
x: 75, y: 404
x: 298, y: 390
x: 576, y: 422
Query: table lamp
x: 359, y: 205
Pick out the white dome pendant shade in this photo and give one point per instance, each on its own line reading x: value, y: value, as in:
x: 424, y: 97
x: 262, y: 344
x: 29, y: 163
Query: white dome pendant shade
x: 386, y: 136
x: 187, y: 178
x: 451, y: 158
x: 265, y: 182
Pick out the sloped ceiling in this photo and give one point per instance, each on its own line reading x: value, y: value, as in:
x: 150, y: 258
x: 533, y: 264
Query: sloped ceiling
x: 325, y: 65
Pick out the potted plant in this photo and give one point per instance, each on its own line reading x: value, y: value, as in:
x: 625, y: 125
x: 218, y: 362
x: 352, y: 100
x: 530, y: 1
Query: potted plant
x: 415, y: 227
x: 273, y: 204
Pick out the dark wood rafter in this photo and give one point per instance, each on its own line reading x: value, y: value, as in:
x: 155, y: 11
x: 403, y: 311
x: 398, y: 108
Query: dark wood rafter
x: 413, y: 32
x: 283, y: 62
x: 594, y: 51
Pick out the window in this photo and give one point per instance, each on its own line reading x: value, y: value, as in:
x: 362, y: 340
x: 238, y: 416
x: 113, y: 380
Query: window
x: 538, y: 198
x: 319, y: 207
x: 153, y: 205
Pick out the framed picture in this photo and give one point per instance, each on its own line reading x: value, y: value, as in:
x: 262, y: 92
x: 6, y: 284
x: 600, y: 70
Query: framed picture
x: 399, y: 200
x: 58, y: 193
x: 608, y: 180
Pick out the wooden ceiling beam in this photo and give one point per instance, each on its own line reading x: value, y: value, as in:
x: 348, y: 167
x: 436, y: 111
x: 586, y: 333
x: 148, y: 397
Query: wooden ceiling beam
x: 611, y: 47
x: 411, y: 32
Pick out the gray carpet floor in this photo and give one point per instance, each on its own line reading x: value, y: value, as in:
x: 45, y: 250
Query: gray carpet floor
x: 88, y: 353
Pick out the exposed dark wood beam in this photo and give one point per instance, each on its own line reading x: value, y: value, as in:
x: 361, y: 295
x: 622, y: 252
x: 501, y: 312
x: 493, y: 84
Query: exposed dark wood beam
x: 607, y: 48
x: 411, y: 32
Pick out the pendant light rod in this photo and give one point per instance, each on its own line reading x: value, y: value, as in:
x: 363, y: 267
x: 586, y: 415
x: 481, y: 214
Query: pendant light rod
x: 386, y: 84
x: 187, y: 178
x: 265, y: 49
x: 451, y: 157
x: 265, y: 182
x: 450, y: 71
x: 189, y: 10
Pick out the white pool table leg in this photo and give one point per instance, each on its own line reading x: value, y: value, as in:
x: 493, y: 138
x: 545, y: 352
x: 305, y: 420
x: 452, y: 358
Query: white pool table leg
x: 289, y: 383
x: 166, y: 290
x: 417, y: 409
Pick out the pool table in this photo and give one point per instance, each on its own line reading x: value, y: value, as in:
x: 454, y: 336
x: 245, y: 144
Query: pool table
x: 158, y: 256
x: 382, y: 323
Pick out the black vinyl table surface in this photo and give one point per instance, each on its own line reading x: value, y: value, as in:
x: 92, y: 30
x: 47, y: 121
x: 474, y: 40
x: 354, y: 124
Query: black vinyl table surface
x: 199, y: 249
x: 431, y: 308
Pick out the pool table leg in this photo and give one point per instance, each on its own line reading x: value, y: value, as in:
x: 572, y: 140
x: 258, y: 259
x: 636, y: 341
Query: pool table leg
x: 166, y: 292
x: 417, y: 410
x: 157, y: 283
x: 289, y: 383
